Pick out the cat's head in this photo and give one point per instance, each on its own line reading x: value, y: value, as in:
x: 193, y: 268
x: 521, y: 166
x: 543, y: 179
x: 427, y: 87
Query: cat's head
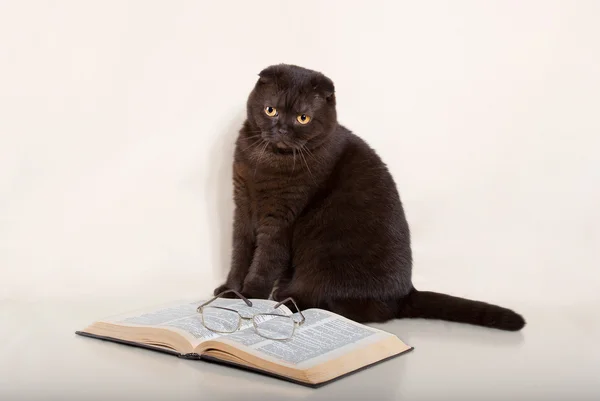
x: 292, y: 107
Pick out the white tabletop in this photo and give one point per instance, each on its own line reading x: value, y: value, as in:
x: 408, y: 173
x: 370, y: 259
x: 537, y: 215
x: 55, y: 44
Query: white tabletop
x: 554, y: 358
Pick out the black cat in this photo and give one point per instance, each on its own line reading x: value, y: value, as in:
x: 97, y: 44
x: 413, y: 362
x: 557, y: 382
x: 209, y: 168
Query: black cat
x: 318, y: 211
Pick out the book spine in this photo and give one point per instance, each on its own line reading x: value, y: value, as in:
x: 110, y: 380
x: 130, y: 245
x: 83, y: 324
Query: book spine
x: 191, y: 355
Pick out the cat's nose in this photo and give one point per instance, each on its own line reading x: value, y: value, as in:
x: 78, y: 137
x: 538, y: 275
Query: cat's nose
x: 282, y: 131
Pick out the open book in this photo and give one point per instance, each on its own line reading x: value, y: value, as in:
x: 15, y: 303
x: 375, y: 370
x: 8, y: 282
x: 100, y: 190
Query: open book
x: 325, y: 347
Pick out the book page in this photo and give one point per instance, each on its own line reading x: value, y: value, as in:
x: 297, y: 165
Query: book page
x: 323, y: 336
x: 184, y: 318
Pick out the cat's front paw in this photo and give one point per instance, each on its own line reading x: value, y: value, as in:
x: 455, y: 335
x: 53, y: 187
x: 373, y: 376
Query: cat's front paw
x: 222, y: 288
x: 281, y: 293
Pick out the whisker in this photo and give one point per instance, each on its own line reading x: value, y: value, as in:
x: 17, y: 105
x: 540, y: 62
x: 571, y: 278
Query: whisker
x: 260, y: 156
x: 253, y: 144
x: 253, y: 136
x: 293, y: 165
x: 310, y: 152
x: 309, y: 172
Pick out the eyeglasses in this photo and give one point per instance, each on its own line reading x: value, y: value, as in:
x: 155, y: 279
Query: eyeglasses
x: 273, y: 326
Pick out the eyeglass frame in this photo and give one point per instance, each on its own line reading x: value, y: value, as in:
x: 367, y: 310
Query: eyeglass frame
x: 200, y: 309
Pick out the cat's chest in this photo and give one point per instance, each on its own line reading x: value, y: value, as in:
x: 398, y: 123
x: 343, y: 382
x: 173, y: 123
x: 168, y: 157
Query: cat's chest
x: 275, y: 203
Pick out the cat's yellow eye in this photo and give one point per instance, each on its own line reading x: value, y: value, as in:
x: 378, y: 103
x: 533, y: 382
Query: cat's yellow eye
x: 303, y: 118
x: 270, y: 111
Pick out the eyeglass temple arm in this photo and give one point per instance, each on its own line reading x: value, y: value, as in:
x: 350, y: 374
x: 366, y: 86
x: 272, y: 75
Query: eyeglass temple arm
x: 226, y: 292
x: 294, y: 302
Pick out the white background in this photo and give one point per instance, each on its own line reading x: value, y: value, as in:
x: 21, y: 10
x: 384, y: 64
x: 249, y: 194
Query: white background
x: 117, y: 122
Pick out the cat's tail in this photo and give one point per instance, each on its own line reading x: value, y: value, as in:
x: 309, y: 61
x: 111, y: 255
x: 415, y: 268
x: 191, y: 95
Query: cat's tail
x: 432, y: 305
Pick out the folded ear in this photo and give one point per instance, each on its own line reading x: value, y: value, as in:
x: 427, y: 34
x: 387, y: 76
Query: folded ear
x: 269, y: 74
x: 323, y: 85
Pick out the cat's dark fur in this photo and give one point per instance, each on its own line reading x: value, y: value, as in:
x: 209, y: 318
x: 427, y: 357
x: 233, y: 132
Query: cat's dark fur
x: 317, y: 210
